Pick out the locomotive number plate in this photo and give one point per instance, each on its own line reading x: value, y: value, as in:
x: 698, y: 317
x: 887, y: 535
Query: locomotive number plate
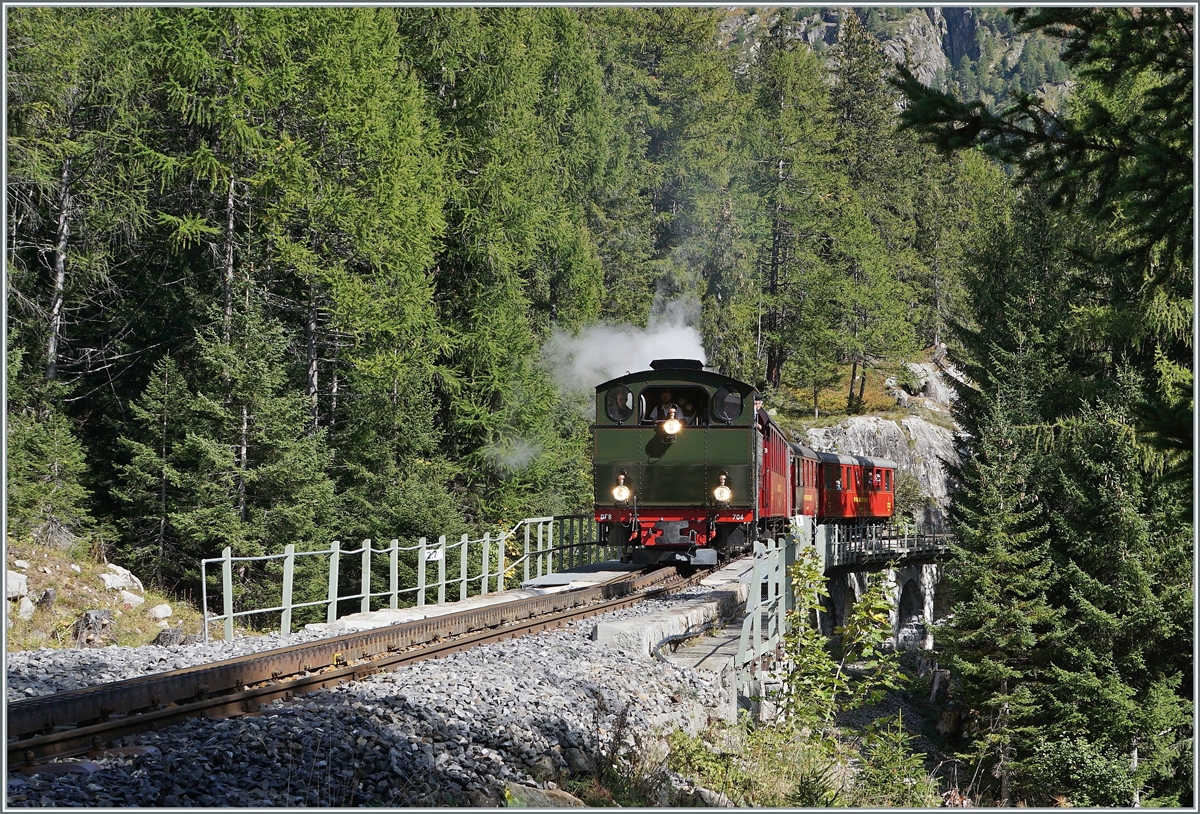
x: 605, y: 516
x: 739, y: 517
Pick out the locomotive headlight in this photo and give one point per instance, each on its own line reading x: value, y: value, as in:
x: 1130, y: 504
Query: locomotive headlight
x: 621, y: 492
x: 723, y: 494
x: 672, y: 426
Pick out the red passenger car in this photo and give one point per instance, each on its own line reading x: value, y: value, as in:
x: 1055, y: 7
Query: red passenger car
x: 806, y: 488
x: 855, y: 487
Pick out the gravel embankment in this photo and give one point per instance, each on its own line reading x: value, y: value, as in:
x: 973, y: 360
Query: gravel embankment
x: 533, y: 710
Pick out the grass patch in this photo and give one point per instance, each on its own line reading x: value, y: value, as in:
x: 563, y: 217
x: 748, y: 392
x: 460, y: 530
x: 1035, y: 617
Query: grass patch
x: 770, y: 766
x: 80, y: 591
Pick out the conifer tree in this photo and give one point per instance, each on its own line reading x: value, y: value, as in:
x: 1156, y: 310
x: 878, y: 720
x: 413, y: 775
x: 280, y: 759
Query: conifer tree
x: 149, y: 482
x: 1003, y: 624
x: 790, y: 135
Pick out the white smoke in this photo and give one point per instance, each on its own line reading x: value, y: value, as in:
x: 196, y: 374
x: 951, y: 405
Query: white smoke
x: 578, y: 362
x: 512, y: 454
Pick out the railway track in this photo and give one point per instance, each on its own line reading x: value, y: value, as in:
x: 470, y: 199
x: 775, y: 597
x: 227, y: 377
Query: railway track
x: 83, y: 721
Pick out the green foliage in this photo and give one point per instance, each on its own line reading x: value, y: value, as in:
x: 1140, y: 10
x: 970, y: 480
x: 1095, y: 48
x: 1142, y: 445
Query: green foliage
x: 45, y: 467
x: 1074, y: 772
x: 892, y: 775
x: 758, y: 766
x: 1072, y: 499
x: 819, y: 684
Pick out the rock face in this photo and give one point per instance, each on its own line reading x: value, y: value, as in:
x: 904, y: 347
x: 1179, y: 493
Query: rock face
x: 918, y: 447
x: 919, y: 41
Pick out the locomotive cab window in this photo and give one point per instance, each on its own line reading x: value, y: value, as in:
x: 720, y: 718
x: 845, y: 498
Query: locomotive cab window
x: 727, y: 404
x: 690, y: 405
x: 618, y: 403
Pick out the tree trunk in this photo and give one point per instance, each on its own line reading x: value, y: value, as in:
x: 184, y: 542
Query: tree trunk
x: 242, y: 456
x: 775, y: 350
x: 311, y: 331
x: 1002, y: 766
x: 333, y: 388
x: 227, y: 271
x: 850, y: 395
x: 60, y: 270
x: 1133, y: 765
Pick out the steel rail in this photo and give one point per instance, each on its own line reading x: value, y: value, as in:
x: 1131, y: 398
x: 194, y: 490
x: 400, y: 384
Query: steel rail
x: 81, y: 721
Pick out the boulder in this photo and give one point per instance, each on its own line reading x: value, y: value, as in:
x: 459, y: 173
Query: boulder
x: 159, y: 612
x: 170, y: 637
x: 16, y: 585
x: 22, y: 564
x: 132, y: 599
x: 47, y: 599
x: 25, y: 609
x: 121, y: 579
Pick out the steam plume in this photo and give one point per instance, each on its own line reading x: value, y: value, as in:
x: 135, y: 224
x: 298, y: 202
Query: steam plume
x: 596, y: 354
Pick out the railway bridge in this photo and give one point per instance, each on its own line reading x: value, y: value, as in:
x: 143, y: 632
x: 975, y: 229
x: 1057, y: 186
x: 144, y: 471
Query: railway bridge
x: 908, y: 559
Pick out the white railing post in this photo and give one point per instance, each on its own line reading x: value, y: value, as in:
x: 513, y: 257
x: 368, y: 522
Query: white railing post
x: 227, y: 590
x: 365, y: 605
x: 462, y: 570
x: 781, y: 586
x: 204, y: 598
x: 499, y: 558
x: 394, y: 576
x: 487, y: 551
x: 331, y: 610
x: 442, y: 570
x: 526, y: 552
x: 422, y: 552
x: 289, y: 564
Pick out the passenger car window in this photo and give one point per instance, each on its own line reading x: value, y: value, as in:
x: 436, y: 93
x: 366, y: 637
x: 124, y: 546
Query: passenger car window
x: 618, y: 403
x: 727, y: 403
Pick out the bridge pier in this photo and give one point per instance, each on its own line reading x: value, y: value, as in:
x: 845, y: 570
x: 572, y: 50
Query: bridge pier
x: 913, y: 590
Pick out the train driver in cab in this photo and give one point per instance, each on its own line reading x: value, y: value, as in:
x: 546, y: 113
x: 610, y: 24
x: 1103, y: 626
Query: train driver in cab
x: 662, y: 410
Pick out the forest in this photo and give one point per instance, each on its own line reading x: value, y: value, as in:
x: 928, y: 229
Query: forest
x: 295, y: 274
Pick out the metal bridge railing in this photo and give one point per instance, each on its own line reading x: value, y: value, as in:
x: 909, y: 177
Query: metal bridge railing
x: 854, y: 545
x: 767, y: 605
x: 537, y: 545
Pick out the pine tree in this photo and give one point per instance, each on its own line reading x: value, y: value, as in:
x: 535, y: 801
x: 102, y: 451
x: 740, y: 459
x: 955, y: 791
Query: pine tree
x: 790, y: 135
x: 871, y: 237
x: 1000, y: 571
x: 149, y: 481
x: 45, y: 465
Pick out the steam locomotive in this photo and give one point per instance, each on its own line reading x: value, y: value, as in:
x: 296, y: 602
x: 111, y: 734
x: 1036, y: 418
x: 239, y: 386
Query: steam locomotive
x: 689, y: 468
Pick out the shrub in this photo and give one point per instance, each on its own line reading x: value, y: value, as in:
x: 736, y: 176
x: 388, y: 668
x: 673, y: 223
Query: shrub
x: 1078, y: 773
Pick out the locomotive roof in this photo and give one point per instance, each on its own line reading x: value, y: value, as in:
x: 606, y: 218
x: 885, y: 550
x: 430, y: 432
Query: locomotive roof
x: 685, y: 370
